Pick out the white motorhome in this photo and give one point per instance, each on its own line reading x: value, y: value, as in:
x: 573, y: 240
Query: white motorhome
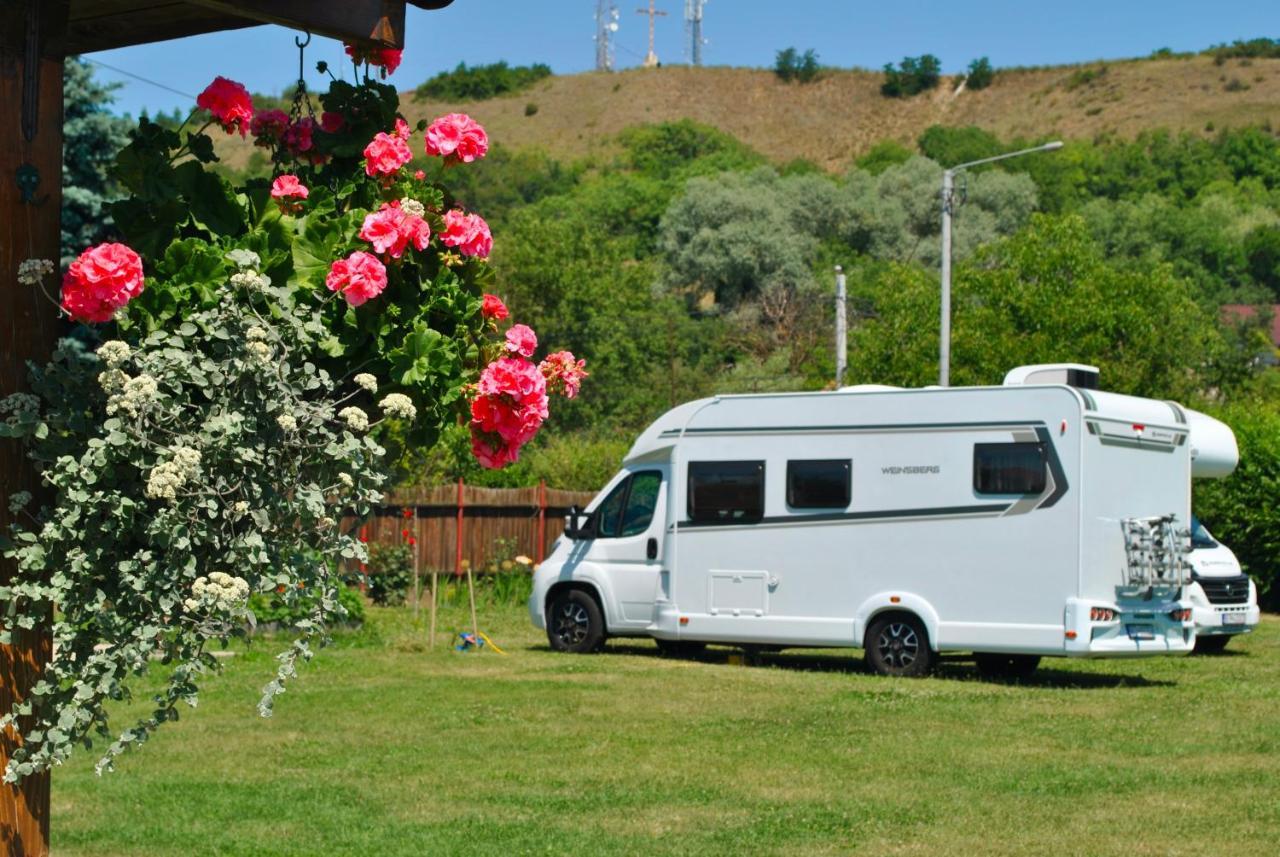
x: 1042, y: 517
x: 1224, y: 600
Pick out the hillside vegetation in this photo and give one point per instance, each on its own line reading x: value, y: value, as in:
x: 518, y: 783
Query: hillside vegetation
x: 842, y: 114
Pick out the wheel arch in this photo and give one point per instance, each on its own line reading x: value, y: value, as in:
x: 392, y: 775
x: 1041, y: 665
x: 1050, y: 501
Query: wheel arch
x: 589, y: 587
x: 887, y: 603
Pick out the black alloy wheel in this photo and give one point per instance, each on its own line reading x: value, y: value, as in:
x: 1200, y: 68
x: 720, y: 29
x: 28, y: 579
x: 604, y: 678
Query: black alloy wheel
x: 898, y: 645
x: 575, y: 623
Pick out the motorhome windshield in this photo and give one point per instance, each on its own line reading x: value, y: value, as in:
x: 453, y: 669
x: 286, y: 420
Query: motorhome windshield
x: 1200, y: 537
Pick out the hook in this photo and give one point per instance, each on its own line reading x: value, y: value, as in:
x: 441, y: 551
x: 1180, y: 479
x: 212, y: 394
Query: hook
x: 303, y: 44
x: 302, y: 49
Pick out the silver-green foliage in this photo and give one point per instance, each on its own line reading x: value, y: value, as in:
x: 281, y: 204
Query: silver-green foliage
x: 206, y: 461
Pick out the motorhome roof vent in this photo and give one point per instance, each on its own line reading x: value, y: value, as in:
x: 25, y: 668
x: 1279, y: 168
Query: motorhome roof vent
x: 1072, y: 374
x: 867, y: 388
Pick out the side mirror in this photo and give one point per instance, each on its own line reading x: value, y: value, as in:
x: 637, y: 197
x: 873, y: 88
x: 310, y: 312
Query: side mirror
x: 571, y: 527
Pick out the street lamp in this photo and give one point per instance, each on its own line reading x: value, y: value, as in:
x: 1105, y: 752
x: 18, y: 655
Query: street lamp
x: 948, y: 194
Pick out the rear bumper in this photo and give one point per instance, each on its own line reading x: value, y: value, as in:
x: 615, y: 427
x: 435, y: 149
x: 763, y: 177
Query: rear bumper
x: 1141, y: 629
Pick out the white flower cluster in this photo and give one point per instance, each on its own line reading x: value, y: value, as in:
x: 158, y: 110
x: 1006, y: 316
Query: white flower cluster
x: 326, y: 523
x: 219, y: 592
x: 250, y: 280
x: 365, y: 381
x: 346, y: 480
x: 113, y: 380
x: 255, y: 332
x: 287, y: 422
x: 240, y: 507
x: 399, y: 405
x: 168, y: 477
x: 19, y: 406
x: 114, y: 353
x: 356, y: 419
x: 19, y: 501
x: 409, y: 205
x: 259, y: 351
x: 134, y: 393
x: 32, y: 271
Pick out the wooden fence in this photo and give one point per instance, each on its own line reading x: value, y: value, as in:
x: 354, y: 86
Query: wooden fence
x: 460, y: 522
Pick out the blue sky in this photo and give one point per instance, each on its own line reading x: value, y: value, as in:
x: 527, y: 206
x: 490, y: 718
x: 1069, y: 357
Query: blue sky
x: 740, y: 33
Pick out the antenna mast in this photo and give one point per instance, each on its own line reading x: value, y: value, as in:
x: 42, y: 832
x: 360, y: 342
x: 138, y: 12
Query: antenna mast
x: 606, y: 26
x: 693, y: 29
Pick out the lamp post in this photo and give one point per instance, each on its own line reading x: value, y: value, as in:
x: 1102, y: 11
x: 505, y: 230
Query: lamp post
x: 948, y: 200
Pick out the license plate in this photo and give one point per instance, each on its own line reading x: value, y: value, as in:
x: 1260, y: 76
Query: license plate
x: 1140, y: 632
x: 1233, y: 618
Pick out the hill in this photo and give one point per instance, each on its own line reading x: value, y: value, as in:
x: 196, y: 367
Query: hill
x: 843, y: 114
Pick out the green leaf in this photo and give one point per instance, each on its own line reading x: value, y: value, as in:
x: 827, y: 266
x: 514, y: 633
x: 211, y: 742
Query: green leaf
x: 212, y: 203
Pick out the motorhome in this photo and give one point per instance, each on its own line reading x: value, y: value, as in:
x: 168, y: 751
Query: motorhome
x: 1224, y: 600
x: 1039, y: 518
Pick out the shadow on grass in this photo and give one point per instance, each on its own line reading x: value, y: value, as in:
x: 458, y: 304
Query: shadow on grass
x: 958, y: 667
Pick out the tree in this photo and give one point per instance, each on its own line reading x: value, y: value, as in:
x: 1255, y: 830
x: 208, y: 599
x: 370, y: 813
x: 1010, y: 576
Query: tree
x: 92, y: 136
x: 1048, y: 294
x: 980, y: 74
x: 913, y: 76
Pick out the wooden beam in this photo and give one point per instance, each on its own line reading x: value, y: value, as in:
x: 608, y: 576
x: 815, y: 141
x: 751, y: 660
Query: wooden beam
x: 379, y: 21
x: 28, y: 330
x: 100, y: 26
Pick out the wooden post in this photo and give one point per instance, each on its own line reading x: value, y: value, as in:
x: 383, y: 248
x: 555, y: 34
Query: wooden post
x: 434, y: 581
x: 542, y: 521
x: 457, y: 561
x: 30, y: 198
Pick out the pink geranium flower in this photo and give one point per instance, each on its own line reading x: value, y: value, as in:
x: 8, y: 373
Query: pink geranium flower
x: 359, y: 277
x: 402, y: 129
x: 289, y: 193
x: 493, y: 307
x: 457, y: 137
x: 391, y: 229
x: 385, y: 155
x: 268, y: 126
x: 100, y: 281
x: 522, y: 340
x: 388, y: 59
x: 331, y: 123
x: 468, y: 232
x: 230, y: 104
x: 564, y: 373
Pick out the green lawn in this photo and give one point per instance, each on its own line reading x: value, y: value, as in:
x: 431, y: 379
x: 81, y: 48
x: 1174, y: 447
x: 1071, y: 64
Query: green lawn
x: 382, y: 747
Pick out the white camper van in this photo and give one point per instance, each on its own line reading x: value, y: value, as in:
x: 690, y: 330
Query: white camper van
x: 1224, y: 600
x: 1037, y: 518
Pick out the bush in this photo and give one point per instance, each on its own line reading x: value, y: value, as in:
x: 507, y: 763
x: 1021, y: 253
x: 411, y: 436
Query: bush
x: 980, y: 74
x: 793, y: 66
x: 881, y: 156
x: 390, y: 573
x: 476, y: 83
x: 1263, y: 48
x: 1085, y: 77
x: 276, y: 609
x: 1241, y: 509
x: 951, y: 146
x: 530, y: 109
x: 913, y: 76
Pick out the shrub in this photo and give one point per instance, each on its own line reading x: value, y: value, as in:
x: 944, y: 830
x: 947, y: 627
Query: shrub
x: 1085, y: 77
x: 1241, y: 509
x: 790, y: 66
x: 951, y: 146
x: 1262, y: 48
x: 1235, y: 85
x: 980, y: 74
x: 882, y: 155
x: 390, y: 573
x: 273, y: 609
x: 913, y: 76
x: 476, y: 83
x: 530, y: 109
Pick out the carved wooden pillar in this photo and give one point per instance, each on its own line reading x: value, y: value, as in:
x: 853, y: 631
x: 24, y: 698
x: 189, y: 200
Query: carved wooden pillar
x: 31, y: 38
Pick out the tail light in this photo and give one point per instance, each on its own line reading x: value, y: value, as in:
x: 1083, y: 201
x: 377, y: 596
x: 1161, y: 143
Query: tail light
x: 1183, y: 615
x: 1102, y: 614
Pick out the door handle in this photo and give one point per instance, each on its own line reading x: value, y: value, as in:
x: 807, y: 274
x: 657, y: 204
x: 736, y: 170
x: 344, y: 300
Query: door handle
x: 651, y: 548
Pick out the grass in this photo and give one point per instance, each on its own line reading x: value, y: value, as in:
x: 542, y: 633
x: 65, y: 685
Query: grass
x: 383, y: 747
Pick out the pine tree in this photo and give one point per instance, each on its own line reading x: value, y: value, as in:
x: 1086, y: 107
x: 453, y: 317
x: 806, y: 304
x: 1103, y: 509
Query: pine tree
x: 92, y: 135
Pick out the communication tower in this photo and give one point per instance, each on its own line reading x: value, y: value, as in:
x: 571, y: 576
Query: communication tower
x: 693, y: 29
x: 606, y: 26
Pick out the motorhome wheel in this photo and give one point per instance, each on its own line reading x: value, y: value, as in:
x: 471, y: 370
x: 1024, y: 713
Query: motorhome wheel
x: 1006, y: 666
x: 898, y: 645
x: 1211, y: 645
x: 574, y: 623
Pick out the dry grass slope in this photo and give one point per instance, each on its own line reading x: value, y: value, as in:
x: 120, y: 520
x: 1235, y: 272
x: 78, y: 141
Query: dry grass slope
x: 843, y: 114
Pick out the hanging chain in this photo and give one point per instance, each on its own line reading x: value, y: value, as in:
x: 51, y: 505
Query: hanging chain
x: 301, y: 98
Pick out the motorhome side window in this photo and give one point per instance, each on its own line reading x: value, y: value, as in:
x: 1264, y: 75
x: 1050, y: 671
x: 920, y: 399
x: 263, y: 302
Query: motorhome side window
x: 726, y: 492
x: 818, y: 483
x: 628, y: 510
x: 1009, y: 468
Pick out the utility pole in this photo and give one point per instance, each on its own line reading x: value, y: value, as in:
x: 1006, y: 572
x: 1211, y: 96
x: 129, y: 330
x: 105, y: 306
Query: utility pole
x: 693, y: 27
x: 606, y: 26
x: 651, y: 59
x: 842, y: 327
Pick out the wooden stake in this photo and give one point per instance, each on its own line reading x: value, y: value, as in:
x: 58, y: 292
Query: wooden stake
x: 471, y: 592
x: 417, y: 585
x: 434, y: 578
